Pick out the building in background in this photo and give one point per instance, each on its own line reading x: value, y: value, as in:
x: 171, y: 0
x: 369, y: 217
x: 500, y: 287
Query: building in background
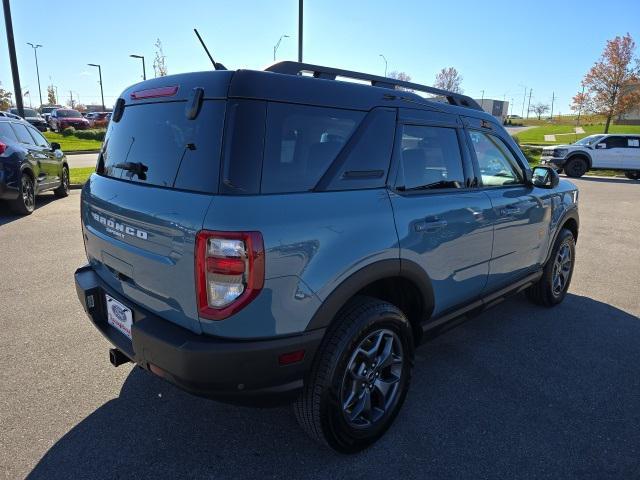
x: 497, y: 108
x: 632, y: 116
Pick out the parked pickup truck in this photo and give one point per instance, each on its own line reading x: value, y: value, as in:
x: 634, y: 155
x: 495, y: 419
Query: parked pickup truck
x: 596, y: 152
x: 255, y: 236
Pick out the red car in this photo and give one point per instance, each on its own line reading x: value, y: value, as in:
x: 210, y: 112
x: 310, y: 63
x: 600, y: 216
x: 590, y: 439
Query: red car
x: 62, y: 118
x: 98, y: 119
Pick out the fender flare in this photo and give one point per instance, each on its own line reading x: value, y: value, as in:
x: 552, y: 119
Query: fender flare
x: 571, y: 213
x: 367, y: 275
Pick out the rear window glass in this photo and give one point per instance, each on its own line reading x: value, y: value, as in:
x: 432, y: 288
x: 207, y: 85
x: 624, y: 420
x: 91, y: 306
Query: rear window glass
x: 6, y: 133
x: 156, y: 144
x: 301, y: 142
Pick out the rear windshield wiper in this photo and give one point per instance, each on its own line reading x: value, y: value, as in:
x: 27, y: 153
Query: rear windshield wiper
x: 137, y: 168
x: 438, y: 184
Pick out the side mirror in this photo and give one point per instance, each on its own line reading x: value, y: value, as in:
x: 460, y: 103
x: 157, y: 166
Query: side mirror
x: 545, y: 177
x: 55, y: 146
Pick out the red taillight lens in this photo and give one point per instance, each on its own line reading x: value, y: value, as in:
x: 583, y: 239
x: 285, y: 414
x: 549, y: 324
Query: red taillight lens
x: 229, y: 271
x: 155, y: 92
x: 3, y: 148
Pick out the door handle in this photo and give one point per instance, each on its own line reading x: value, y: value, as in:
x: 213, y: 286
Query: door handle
x: 509, y: 211
x: 430, y: 225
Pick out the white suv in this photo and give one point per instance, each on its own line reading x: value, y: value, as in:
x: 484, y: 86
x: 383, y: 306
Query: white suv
x: 596, y: 152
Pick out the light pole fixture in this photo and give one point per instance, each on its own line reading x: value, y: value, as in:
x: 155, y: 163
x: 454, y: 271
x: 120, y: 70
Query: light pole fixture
x: 144, y: 70
x: 385, y: 64
x: 35, y: 53
x: 275, y: 47
x: 100, y: 76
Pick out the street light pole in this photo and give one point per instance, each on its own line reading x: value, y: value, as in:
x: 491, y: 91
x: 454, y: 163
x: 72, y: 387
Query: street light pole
x: 35, y: 53
x: 144, y: 70
x: 385, y: 64
x: 100, y: 75
x: 275, y: 47
x: 300, y: 30
x: 12, y: 57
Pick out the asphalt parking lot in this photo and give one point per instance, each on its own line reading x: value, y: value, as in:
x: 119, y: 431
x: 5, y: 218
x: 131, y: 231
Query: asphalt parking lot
x: 519, y: 392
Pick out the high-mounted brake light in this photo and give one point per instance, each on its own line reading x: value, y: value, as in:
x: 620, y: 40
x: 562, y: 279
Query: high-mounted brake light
x: 154, y: 92
x: 229, y: 271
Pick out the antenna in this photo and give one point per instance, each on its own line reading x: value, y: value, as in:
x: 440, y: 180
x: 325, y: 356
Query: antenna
x: 216, y: 66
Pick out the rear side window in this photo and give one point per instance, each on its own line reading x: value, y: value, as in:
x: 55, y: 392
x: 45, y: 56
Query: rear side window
x: 156, y: 144
x: 301, y: 142
x: 431, y: 158
x: 22, y: 133
x: 6, y: 132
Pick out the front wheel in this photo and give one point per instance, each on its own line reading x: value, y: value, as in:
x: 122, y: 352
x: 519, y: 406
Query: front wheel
x: 552, y: 287
x: 576, y: 167
x: 63, y: 190
x: 360, y: 377
x: 633, y: 175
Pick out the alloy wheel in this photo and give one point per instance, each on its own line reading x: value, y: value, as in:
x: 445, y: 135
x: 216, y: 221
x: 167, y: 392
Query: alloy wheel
x: 371, y: 384
x: 28, y: 193
x: 561, y: 269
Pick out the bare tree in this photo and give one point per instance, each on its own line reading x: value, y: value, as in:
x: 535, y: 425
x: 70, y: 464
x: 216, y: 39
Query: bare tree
x: 5, y: 99
x: 160, y: 61
x: 540, y: 109
x: 402, y: 76
x: 611, y: 82
x: 449, y: 79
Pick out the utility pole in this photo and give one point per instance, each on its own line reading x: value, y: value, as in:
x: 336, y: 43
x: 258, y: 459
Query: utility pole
x: 35, y: 53
x: 13, y: 58
x: 71, y: 95
x: 529, y: 104
x: 482, y: 100
x: 524, y: 99
x: 553, y: 99
x: 300, y: 16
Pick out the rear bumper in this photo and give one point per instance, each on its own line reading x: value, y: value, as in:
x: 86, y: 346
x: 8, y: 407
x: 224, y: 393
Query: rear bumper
x: 8, y: 190
x: 234, y: 371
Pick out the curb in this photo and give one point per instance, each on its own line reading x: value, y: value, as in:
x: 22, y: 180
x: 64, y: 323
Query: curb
x: 76, y: 186
x: 80, y: 152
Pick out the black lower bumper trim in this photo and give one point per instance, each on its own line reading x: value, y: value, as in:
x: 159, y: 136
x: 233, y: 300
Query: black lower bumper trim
x: 229, y: 370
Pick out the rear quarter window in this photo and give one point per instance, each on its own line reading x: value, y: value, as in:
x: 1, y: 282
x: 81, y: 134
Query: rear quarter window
x: 301, y: 142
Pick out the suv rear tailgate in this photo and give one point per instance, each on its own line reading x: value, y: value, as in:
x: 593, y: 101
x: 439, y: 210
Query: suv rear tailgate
x: 140, y: 240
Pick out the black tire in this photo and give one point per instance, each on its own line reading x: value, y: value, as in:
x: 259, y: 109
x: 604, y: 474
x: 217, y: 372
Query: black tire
x: 633, y: 175
x: 321, y: 408
x: 25, y: 204
x: 546, y: 291
x: 559, y: 171
x: 576, y: 167
x: 63, y: 190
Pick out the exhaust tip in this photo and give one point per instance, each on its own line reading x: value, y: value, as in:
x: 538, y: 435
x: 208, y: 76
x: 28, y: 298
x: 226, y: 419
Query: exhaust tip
x: 117, y: 358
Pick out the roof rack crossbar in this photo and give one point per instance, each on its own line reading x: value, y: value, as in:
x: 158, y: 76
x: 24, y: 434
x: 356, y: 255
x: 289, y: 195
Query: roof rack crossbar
x: 329, y: 73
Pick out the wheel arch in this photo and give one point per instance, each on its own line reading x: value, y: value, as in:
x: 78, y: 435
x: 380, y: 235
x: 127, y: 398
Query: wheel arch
x: 402, y: 283
x: 571, y: 221
x: 582, y: 154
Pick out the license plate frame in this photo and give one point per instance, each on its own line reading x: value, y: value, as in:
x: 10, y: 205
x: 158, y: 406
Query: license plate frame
x: 119, y: 315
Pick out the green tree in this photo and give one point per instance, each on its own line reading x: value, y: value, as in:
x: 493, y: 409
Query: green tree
x: 51, y: 95
x: 5, y: 99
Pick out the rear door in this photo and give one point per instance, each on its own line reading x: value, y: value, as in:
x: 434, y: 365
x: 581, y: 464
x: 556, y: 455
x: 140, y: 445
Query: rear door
x: 632, y: 154
x: 155, y: 179
x: 35, y: 154
x: 520, y: 216
x: 443, y: 222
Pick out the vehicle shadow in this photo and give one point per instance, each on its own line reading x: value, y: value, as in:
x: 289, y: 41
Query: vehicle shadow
x: 518, y: 392
x: 7, y: 215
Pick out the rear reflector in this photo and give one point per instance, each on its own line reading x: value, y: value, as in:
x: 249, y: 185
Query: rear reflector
x: 291, y: 357
x: 154, y: 93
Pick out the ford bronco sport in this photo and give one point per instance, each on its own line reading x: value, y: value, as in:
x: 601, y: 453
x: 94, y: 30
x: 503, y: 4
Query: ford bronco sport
x: 255, y: 236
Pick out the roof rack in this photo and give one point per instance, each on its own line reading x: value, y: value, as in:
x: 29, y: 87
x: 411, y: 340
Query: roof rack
x: 328, y: 73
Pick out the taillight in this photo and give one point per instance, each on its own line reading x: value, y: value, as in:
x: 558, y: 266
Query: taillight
x: 3, y: 148
x: 229, y: 271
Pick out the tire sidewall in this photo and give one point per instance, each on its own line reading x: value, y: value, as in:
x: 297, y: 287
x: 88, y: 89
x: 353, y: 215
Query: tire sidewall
x: 565, y: 236
x: 568, y: 169
x: 340, y: 435
x: 22, y: 205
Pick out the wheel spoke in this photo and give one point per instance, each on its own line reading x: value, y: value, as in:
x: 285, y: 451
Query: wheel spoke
x: 363, y: 406
x: 383, y: 386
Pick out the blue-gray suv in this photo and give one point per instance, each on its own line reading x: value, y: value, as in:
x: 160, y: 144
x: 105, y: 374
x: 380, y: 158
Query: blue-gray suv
x: 254, y: 236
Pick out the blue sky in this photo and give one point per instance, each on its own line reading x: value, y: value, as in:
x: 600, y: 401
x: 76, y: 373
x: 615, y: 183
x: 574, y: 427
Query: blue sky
x: 498, y: 46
